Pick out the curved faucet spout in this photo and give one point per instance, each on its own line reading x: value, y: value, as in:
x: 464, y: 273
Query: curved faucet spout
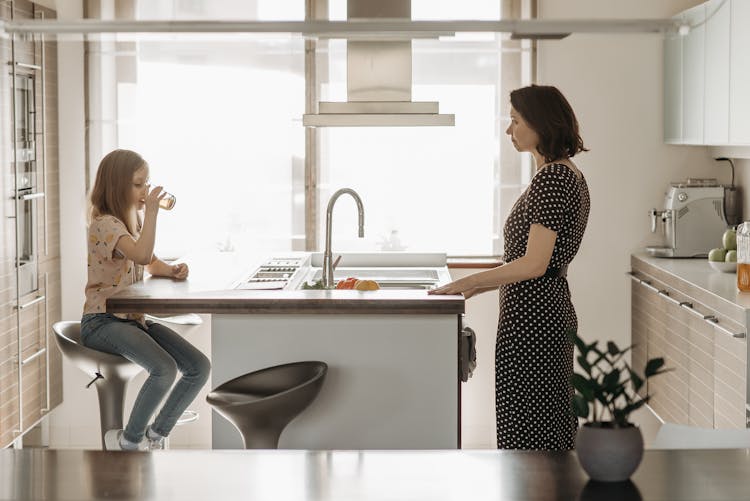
x: 328, y: 255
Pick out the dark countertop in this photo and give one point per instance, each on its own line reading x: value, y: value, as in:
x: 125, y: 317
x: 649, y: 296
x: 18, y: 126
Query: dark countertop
x: 685, y: 475
x: 208, y: 289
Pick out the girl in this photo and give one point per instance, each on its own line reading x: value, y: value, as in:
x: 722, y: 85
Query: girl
x: 533, y: 357
x: 119, y: 244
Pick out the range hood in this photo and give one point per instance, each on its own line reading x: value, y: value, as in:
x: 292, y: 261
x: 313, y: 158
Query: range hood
x: 378, y: 79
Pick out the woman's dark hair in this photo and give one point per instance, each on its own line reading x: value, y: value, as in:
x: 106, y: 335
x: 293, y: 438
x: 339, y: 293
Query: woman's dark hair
x: 547, y: 111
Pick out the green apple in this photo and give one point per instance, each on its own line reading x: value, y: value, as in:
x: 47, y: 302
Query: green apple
x: 731, y: 256
x: 717, y: 255
x: 729, y: 239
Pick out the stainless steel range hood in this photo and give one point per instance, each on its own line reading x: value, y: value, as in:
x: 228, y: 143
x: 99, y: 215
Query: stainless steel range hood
x: 378, y: 79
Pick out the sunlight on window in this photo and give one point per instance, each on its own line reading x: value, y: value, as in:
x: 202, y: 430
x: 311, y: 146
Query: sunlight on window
x: 220, y: 124
x: 222, y: 140
x: 433, y: 185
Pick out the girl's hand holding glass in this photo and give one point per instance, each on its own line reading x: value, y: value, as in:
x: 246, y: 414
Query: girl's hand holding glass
x: 153, y: 199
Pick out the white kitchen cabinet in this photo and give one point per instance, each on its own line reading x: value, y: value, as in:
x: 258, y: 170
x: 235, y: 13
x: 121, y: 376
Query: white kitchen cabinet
x: 717, y: 57
x: 707, y: 76
x: 698, y: 323
x: 693, y: 76
x: 673, y: 89
x: 739, y: 80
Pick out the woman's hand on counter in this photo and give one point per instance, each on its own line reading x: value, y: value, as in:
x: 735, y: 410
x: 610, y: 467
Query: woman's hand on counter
x: 463, y: 286
x: 466, y: 286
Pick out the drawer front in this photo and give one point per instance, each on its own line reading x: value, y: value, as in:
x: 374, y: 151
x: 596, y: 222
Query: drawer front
x: 705, y: 350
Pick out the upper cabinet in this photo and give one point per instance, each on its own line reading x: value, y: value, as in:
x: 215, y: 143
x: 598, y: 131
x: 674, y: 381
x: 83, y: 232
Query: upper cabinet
x: 693, y: 76
x: 706, y: 76
x: 739, y: 74
x: 673, y: 89
x: 716, y: 109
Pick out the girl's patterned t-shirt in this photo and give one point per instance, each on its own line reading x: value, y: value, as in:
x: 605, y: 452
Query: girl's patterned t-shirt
x: 109, y: 271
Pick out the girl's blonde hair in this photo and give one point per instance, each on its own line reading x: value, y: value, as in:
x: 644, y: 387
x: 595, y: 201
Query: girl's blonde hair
x: 113, y: 186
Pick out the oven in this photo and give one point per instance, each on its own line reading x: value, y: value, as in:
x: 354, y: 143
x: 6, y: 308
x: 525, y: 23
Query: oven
x: 27, y: 195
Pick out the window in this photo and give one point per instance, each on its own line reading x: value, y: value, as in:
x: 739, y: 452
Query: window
x: 434, y: 186
x: 219, y: 120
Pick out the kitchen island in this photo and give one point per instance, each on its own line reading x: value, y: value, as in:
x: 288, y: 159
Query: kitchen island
x: 393, y: 377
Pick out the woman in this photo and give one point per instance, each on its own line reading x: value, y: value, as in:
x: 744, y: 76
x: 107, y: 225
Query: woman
x: 119, y: 245
x: 533, y: 357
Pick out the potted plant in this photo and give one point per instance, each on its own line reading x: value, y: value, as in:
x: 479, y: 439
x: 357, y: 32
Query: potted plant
x: 609, y: 447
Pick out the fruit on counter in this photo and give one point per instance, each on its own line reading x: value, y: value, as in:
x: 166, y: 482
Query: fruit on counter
x: 717, y: 255
x: 731, y: 256
x: 347, y: 283
x: 366, y: 285
x: 352, y: 283
x: 729, y: 239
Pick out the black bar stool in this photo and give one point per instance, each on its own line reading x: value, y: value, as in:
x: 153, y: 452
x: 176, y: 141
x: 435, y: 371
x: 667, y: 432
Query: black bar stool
x: 260, y: 404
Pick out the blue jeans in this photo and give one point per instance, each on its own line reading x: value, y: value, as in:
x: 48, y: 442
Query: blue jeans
x: 162, y: 352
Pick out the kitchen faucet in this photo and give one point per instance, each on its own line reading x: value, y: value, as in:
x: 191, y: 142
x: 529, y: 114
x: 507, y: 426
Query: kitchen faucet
x: 328, y: 255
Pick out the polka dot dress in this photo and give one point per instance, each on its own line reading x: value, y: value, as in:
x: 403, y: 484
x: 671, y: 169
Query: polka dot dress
x: 533, y: 357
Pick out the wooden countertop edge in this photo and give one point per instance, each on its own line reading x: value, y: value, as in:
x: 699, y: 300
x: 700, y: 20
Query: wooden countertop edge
x: 265, y: 305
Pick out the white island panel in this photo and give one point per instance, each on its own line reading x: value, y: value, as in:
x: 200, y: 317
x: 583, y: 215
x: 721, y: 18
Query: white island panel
x: 392, y: 380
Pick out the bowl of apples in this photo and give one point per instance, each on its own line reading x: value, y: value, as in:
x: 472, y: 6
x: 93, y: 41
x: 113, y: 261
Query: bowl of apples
x: 724, y: 258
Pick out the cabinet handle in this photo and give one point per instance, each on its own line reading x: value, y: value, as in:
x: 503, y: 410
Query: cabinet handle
x: 689, y: 307
x: 31, y: 196
x: 647, y: 284
x: 28, y: 66
x: 47, y: 407
x: 34, y: 301
x: 36, y: 354
x: 715, y: 322
x: 665, y: 293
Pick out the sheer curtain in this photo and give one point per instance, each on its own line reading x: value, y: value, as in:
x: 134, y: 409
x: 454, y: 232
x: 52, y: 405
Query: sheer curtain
x: 219, y: 120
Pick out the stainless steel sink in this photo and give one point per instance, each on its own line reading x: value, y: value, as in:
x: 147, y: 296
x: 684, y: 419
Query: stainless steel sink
x: 387, y: 278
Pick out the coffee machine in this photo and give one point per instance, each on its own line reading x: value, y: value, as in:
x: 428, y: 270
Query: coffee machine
x: 692, y: 221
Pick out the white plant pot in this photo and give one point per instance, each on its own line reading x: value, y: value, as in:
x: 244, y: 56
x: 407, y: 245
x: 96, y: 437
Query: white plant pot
x: 609, y: 454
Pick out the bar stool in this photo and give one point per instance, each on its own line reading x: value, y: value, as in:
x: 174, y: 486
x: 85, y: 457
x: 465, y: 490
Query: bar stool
x: 260, y: 404
x: 111, y: 373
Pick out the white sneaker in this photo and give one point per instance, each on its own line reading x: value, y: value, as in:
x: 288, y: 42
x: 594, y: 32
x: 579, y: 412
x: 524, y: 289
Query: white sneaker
x: 157, y: 442
x: 112, y: 440
x: 154, y: 445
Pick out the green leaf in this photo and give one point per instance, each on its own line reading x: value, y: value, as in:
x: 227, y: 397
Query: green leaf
x: 621, y: 417
x: 584, y: 364
x: 611, y: 381
x: 653, y: 366
x: 612, y: 348
x: 582, y: 348
x: 637, y: 381
x: 632, y: 407
x: 583, y: 386
x: 580, y: 406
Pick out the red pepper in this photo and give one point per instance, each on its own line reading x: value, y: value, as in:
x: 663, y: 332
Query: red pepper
x: 347, y: 283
